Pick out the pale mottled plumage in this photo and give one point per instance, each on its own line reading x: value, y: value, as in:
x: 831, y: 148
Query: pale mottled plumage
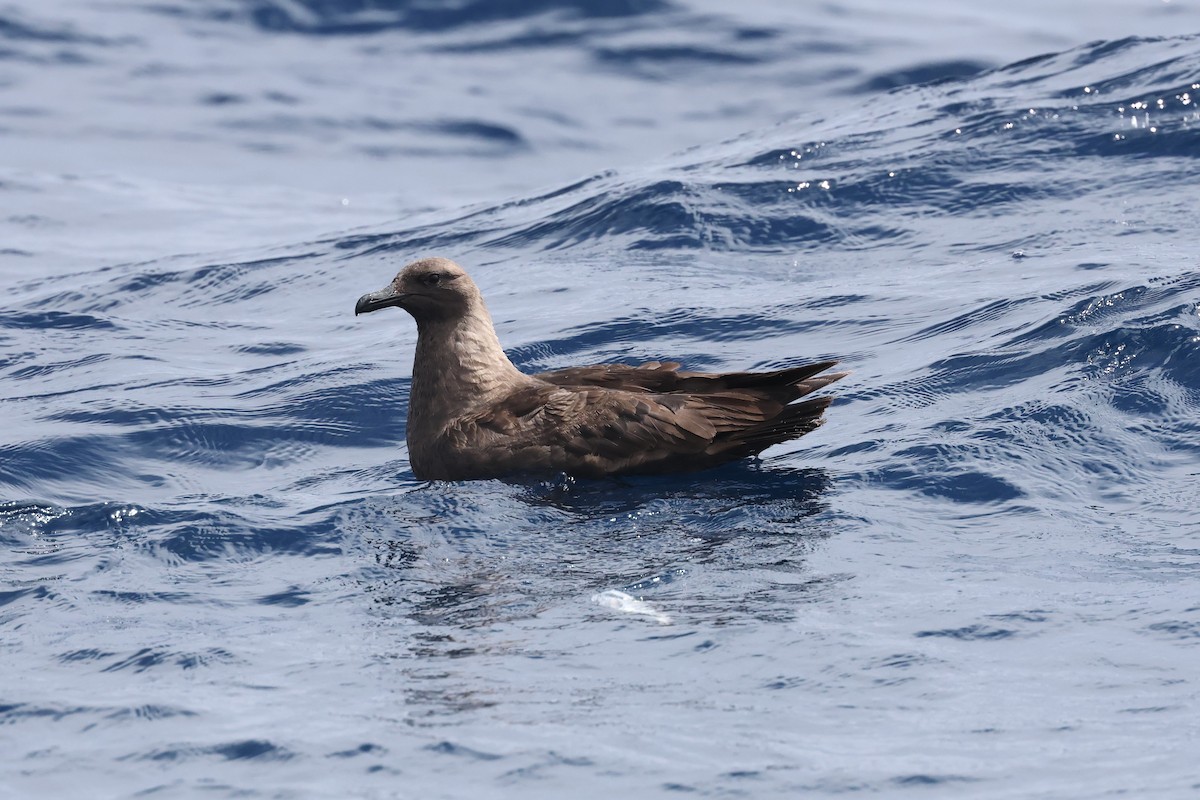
x: 472, y: 414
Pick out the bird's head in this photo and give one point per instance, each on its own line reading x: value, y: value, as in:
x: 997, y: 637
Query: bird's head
x: 431, y: 289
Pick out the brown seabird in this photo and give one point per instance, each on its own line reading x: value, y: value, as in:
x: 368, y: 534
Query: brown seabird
x: 472, y: 414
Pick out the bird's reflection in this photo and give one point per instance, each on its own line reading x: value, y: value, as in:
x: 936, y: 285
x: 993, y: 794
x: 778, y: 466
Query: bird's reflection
x: 486, y: 569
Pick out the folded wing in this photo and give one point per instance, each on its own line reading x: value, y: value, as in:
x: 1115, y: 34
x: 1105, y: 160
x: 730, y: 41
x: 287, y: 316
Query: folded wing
x: 617, y: 419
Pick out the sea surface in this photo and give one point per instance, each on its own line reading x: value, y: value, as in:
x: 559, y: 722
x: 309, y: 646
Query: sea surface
x: 981, y: 578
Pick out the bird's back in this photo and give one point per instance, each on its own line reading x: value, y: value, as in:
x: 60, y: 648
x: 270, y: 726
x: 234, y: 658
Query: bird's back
x: 618, y: 419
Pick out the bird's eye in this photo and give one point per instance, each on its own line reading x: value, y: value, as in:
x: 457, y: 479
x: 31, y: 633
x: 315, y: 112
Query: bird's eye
x: 432, y: 279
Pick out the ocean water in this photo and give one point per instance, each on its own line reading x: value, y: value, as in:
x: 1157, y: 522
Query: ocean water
x: 219, y: 577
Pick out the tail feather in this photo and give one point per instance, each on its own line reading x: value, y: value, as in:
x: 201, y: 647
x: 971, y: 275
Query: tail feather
x: 819, y: 382
x: 794, y: 421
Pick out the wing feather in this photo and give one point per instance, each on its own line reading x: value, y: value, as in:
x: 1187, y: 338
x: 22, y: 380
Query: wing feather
x: 619, y: 419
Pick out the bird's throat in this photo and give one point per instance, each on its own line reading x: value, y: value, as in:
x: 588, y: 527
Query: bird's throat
x: 459, y: 365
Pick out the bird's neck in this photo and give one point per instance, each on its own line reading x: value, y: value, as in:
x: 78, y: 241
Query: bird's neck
x: 459, y: 365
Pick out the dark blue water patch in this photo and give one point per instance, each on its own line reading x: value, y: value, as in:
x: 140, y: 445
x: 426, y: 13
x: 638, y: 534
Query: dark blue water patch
x: 655, y: 216
x: 269, y: 148
x: 672, y: 786
x: 1020, y: 434
x: 92, y: 459
x: 1099, y: 450
x: 783, y: 156
x: 1177, y: 629
x: 84, y: 655
x: 23, y: 519
x: 924, y: 74
x: 646, y: 60
x: 548, y: 760
x: 1178, y: 435
x: 463, y: 604
x: 234, y: 99
x: 970, y: 633
x: 34, y: 592
x: 270, y: 349
x: 15, y: 29
x: 524, y: 40
x: 950, y: 180
x: 366, y: 748
x: 1171, y: 349
x: 755, y: 34
x: 1094, y: 56
x: 674, y: 215
x: 901, y: 661
x: 1095, y: 308
x: 620, y: 334
x: 243, y: 750
x: 427, y: 238
x: 293, y: 597
x: 20, y: 513
x: 476, y: 129
x: 70, y: 58
x: 187, y: 534
x: 36, y: 372
x: 478, y: 224
x: 449, y: 748
x: 1163, y: 142
x: 942, y: 472
x: 450, y: 133
x: 1147, y: 709
x: 664, y: 578
x: 835, y: 301
x: 212, y: 284
x: 125, y: 415
x: 774, y: 224
x: 192, y: 536
x: 1031, y: 616
x: 1159, y: 122
x: 139, y: 598
x: 358, y: 414
x: 222, y: 99
x: 934, y: 187
x: 1184, y: 315
x: 922, y: 779
x: 985, y: 313
x: 739, y: 486
x: 943, y: 191
x: 742, y: 774
x: 1062, y: 423
x: 53, y: 320
x: 363, y: 17
x: 232, y: 442
x: 1163, y: 63
x: 865, y: 446
x: 19, y: 712
x: 150, y: 658
x: 1107, y: 356
x: 150, y: 712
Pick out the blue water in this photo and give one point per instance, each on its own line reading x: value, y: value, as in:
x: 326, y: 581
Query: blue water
x: 219, y: 577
